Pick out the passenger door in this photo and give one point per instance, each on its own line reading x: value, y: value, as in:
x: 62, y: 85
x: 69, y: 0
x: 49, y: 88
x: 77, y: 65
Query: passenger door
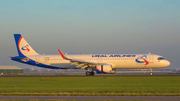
x: 150, y: 58
x: 46, y: 59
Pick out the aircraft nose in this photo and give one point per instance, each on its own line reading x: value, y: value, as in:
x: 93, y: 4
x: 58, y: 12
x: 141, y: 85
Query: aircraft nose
x: 167, y: 63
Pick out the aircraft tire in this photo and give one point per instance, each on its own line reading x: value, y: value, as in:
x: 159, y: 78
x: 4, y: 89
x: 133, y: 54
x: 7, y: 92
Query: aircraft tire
x: 92, y: 73
x: 88, y: 73
x: 151, y: 73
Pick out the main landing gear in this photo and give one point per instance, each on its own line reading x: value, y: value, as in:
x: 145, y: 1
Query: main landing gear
x: 89, y: 73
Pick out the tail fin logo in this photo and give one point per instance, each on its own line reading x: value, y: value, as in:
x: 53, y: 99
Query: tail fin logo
x: 26, y: 48
x: 144, y: 60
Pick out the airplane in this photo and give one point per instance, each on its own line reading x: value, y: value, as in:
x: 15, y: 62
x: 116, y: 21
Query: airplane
x: 101, y: 63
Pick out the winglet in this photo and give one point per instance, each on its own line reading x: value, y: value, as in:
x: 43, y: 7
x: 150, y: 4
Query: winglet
x: 62, y: 55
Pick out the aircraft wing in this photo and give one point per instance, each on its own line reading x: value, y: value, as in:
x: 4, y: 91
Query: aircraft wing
x: 80, y: 63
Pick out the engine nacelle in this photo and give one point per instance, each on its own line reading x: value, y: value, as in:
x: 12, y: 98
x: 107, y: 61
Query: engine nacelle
x: 107, y: 69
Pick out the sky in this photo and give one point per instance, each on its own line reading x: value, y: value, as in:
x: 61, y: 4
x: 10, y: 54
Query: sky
x: 92, y: 27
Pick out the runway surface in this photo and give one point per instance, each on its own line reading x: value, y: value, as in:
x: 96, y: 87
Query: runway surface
x: 83, y: 75
x: 149, y: 98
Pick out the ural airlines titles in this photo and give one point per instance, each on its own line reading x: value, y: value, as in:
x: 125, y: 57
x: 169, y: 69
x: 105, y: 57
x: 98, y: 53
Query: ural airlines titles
x: 113, y: 55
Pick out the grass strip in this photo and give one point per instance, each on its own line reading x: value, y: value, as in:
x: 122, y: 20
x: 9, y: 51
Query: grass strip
x: 90, y: 86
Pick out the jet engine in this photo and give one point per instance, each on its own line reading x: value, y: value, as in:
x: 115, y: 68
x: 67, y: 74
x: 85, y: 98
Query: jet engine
x: 107, y: 69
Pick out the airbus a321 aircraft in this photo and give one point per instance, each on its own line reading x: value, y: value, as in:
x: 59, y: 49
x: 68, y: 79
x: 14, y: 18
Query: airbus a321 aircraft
x: 101, y: 63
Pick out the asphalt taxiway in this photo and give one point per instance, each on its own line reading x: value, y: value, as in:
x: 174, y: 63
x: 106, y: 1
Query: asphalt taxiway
x: 149, y: 98
x: 83, y: 75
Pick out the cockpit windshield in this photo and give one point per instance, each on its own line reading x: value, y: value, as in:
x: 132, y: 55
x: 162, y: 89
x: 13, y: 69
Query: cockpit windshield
x: 160, y: 58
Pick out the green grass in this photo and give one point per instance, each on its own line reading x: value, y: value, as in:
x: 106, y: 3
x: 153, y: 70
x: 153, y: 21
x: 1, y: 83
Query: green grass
x: 88, y: 86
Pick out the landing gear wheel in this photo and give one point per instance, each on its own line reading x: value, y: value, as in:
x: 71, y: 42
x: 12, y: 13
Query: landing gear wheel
x: 88, y: 73
x: 151, y: 73
x: 92, y: 73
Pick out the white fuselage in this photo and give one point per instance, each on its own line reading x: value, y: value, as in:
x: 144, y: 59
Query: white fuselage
x: 120, y: 61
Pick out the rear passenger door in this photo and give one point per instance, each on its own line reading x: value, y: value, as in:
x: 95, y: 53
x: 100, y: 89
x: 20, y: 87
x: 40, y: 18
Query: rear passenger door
x: 150, y: 58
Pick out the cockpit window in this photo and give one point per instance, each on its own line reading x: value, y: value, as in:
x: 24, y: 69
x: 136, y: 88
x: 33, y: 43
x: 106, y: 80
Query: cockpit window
x: 160, y: 58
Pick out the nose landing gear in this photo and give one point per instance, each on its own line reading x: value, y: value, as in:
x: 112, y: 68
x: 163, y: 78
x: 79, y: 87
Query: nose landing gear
x: 151, y: 72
